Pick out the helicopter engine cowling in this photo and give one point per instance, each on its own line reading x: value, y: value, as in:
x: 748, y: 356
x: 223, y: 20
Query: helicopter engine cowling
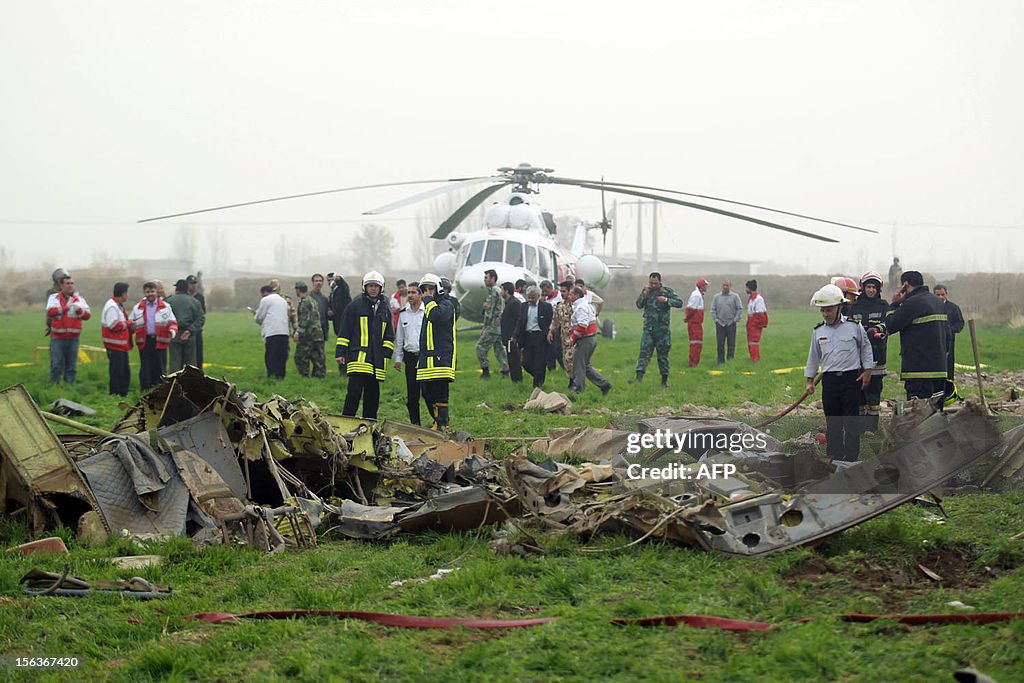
x: 593, y: 271
x: 455, y: 240
x: 444, y: 264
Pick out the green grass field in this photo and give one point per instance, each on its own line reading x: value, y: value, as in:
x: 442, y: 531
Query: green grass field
x: 869, y: 569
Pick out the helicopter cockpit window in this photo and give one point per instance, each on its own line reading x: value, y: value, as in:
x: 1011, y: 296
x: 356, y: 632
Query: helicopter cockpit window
x: 476, y: 252
x: 514, y: 254
x: 494, y: 250
x: 531, y: 258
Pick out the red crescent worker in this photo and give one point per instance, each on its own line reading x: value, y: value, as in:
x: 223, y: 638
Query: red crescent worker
x: 757, y: 320
x: 695, y: 321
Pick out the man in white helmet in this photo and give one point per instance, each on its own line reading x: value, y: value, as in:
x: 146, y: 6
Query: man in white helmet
x: 435, y: 370
x: 366, y: 340
x: 842, y: 350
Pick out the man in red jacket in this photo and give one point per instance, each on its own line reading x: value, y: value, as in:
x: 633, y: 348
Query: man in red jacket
x: 65, y: 310
x: 155, y: 327
x: 116, y: 331
x: 757, y: 320
x: 695, y: 321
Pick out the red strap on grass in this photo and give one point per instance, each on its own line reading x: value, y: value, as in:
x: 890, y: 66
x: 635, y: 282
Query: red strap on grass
x: 383, y: 618
x: 691, y: 620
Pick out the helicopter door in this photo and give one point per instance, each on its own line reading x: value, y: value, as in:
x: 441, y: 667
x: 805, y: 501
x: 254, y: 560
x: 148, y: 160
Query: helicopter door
x: 545, y: 264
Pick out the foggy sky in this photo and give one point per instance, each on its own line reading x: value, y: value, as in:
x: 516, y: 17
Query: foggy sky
x: 901, y: 115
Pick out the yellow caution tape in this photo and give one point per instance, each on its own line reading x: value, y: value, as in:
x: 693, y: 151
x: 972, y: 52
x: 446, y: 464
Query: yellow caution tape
x: 716, y: 372
x: 961, y: 366
x: 783, y: 371
x: 15, y: 365
x: 226, y: 367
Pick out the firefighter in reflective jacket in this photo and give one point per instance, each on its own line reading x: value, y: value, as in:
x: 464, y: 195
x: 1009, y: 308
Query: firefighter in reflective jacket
x: 695, y: 321
x: 869, y: 310
x: 366, y: 341
x: 920, y: 318
x: 436, y: 368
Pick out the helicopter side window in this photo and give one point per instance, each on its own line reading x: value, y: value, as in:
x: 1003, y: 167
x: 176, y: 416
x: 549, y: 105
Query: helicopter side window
x: 545, y: 263
x: 514, y: 254
x: 476, y: 251
x: 531, y: 258
x: 494, y: 250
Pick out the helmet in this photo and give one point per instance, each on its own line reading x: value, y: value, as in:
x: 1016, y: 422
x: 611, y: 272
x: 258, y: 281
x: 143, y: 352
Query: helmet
x: 869, y: 276
x: 701, y: 282
x: 60, y: 273
x: 445, y: 286
x: 373, y: 278
x: 431, y: 279
x: 829, y: 295
x: 848, y: 285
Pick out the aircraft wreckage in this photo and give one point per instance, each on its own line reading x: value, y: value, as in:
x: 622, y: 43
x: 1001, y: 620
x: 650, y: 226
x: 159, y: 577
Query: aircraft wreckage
x: 197, y: 458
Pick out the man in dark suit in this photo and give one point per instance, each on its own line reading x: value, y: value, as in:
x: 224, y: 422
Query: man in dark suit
x: 534, y: 322
x: 337, y: 301
x: 510, y: 316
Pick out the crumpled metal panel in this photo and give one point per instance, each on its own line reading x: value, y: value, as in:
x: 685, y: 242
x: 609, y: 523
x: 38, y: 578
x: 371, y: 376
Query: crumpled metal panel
x: 768, y: 523
x: 205, y: 436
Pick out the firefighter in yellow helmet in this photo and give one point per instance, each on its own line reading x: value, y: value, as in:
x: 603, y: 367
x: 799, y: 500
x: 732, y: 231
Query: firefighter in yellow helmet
x: 366, y: 341
x: 436, y: 368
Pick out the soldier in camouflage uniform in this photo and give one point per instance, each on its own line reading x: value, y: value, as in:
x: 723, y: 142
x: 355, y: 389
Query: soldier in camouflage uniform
x: 309, y: 335
x: 656, y: 302
x: 562, y: 321
x: 491, y: 334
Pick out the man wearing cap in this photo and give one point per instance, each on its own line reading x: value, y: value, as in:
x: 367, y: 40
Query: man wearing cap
x: 308, y: 336
x: 726, y: 311
x: 195, y: 293
x: 65, y: 310
x: 695, y: 321
x: 920, y: 318
x: 190, y: 317
x: 757, y: 320
x: 840, y: 347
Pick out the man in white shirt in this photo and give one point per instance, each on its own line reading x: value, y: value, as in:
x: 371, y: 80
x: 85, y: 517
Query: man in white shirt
x: 407, y: 347
x: 584, y: 337
x: 272, y: 315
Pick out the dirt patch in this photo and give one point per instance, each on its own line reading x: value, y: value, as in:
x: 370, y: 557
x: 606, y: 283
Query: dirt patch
x: 895, y: 584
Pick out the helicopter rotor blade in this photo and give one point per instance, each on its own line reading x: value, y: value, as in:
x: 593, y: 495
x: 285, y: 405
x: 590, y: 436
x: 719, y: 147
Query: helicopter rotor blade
x: 573, y: 181
x: 692, y: 205
x: 419, y: 197
x: 604, y: 218
x: 463, y: 211
x: 305, y: 194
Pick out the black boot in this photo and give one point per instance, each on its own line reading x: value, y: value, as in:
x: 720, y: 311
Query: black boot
x: 485, y: 373
x: 664, y: 381
x: 639, y: 378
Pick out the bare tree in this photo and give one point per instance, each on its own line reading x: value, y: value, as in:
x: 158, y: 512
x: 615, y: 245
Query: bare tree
x: 372, y: 248
x: 217, y: 248
x: 185, y: 242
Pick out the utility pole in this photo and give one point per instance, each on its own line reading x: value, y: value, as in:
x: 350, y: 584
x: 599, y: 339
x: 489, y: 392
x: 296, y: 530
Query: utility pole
x: 655, y: 209
x: 615, y: 232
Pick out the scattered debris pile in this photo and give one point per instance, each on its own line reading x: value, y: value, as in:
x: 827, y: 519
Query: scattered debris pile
x: 196, y: 458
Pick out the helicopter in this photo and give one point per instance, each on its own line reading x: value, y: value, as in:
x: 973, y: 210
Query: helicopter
x: 517, y: 236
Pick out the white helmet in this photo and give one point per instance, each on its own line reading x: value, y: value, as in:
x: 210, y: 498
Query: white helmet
x: 373, y: 278
x: 829, y: 295
x: 431, y: 279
